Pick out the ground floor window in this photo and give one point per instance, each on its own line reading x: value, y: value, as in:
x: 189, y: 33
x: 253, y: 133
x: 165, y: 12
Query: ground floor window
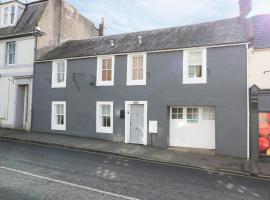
x: 58, y: 119
x: 264, y: 133
x: 104, y: 117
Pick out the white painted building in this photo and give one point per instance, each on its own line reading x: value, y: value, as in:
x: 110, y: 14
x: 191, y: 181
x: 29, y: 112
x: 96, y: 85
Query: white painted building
x: 259, y: 69
x: 27, y: 31
x: 17, y: 56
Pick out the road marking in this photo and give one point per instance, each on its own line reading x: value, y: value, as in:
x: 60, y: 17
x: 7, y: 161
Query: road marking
x: 69, y: 184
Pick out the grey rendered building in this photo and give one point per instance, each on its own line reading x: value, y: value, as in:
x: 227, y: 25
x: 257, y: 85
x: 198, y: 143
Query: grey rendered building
x: 184, y: 87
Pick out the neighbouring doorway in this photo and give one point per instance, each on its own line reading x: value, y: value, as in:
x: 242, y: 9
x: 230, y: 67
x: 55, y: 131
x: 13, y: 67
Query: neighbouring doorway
x: 22, y: 106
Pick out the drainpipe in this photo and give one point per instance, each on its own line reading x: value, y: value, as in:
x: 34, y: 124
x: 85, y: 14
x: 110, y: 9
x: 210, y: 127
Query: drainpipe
x: 248, y: 111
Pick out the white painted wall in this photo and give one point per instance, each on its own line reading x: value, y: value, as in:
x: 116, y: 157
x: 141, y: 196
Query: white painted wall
x: 12, y: 75
x: 259, y: 64
x: 7, y: 102
x: 25, y: 53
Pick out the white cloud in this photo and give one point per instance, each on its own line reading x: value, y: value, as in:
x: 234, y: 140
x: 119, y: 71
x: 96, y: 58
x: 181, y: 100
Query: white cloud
x: 133, y: 15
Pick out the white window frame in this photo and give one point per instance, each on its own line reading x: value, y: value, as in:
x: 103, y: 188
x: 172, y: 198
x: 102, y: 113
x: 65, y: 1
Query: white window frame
x: 55, y: 126
x: 100, y: 82
x: 99, y: 128
x: 8, y: 54
x: 129, y: 69
x: 186, y: 78
x: 55, y: 84
x: 3, y: 16
x: 15, y: 14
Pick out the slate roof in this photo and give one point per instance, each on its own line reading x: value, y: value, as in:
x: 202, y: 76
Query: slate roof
x: 228, y: 31
x: 27, y: 22
x: 261, y: 31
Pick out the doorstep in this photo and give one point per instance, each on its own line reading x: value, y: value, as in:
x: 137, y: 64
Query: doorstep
x: 166, y: 156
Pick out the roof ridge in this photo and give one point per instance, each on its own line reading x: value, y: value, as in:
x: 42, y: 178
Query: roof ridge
x: 34, y: 2
x: 159, y: 29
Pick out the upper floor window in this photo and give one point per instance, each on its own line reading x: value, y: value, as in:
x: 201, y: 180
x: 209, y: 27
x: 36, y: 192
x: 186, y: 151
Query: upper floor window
x: 105, y: 71
x: 11, y: 53
x: 59, y: 73
x: 136, y: 70
x: 12, y: 14
x: 194, y: 66
x: 5, y: 16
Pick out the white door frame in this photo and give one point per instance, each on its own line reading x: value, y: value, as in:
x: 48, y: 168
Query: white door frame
x: 26, y: 82
x: 127, y: 120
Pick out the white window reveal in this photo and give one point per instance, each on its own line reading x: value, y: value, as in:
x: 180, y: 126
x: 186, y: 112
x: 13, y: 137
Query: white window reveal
x: 136, y: 70
x: 105, y: 71
x: 11, y: 53
x: 194, y: 66
x: 208, y: 114
x: 58, y: 118
x: 104, y: 117
x: 59, y: 73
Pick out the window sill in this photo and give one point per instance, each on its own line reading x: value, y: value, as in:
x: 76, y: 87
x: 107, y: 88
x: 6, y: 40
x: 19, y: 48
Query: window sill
x: 58, y: 86
x: 194, y: 81
x: 105, y: 84
x: 59, y: 128
x: 131, y: 83
x: 103, y: 130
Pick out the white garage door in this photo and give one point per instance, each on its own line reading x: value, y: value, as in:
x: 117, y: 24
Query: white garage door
x: 192, y: 127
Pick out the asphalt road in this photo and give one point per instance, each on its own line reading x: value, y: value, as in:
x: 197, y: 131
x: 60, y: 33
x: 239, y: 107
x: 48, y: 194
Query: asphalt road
x: 29, y: 171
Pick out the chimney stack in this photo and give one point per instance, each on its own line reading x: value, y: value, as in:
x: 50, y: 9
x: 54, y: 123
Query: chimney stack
x: 101, y: 27
x: 245, y: 7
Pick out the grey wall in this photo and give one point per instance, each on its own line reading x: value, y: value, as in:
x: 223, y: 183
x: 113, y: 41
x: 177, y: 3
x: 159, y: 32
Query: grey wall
x: 264, y: 101
x: 225, y: 89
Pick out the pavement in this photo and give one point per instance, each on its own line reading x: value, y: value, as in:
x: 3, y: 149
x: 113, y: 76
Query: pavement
x: 35, y: 172
x: 178, y: 157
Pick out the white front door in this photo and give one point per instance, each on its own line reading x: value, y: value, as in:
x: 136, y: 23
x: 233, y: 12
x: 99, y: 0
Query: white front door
x: 136, y: 122
x: 192, y: 127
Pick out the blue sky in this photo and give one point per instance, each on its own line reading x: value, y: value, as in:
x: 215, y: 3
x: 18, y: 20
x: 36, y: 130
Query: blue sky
x: 136, y: 15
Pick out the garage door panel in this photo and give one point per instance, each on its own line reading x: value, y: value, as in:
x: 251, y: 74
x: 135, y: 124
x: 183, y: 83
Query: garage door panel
x: 192, y: 133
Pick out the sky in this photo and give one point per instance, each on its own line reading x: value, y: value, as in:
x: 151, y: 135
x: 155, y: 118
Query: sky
x: 123, y: 16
